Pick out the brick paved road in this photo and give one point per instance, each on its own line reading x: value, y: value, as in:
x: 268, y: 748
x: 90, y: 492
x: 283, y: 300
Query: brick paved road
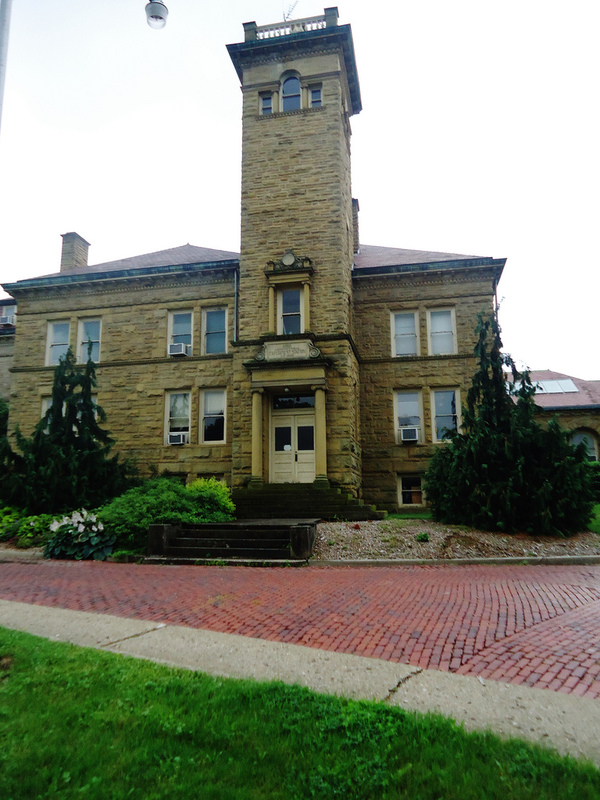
x: 535, y: 625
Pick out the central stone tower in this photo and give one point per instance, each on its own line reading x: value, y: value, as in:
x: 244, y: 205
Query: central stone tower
x: 296, y: 377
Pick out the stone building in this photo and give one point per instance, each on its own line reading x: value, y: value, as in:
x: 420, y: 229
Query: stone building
x: 574, y: 402
x: 8, y: 318
x: 307, y: 358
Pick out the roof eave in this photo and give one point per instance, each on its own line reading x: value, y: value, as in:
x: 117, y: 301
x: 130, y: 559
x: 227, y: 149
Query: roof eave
x: 111, y: 275
x: 431, y: 266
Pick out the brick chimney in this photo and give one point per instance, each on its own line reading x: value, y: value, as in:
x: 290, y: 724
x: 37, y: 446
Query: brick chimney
x: 355, y: 210
x: 74, y: 252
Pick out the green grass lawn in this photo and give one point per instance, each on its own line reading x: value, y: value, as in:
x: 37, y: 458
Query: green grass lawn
x: 595, y: 523
x: 81, y: 723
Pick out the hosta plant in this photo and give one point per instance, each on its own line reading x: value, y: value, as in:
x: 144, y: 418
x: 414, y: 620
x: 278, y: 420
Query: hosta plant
x: 80, y: 535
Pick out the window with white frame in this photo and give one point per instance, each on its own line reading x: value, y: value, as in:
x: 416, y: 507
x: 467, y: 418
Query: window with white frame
x: 589, y: 441
x: 58, y: 341
x: 291, y: 94
x: 215, y: 330
x: 405, y: 328
x: 180, y: 333
x: 89, y: 333
x: 446, y: 410
x: 442, y: 331
x: 266, y: 104
x: 290, y: 318
x: 178, y: 418
x: 47, y: 405
x: 315, y: 98
x: 410, y: 490
x: 213, y: 412
x: 8, y: 314
x: 408, y: 417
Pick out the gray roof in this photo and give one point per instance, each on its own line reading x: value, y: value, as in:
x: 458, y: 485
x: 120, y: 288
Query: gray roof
x: 369, y: 260
x: 375, y: 256
x: 185, y: 254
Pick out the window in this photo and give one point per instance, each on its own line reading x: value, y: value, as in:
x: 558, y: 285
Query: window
x: 89, y: 331
x: 212, y: 423
x: 446, y: 403
x: 408, y: 417
x: 314, y: 96
x: 588, y: 441
x: 8, y: 315
x: 215, y: 330
x: 289, y: 311
x: 180, y: 333
x: 47, y: 405
x: 441, y: 332
x: 404, y: 334
x: 266, y: 104
x: 58, y: 341
x: 291, y: 95
x: 178, y: 418
x: 410, y: 490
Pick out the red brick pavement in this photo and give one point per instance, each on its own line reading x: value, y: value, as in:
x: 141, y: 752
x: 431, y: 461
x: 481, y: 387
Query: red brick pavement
x: 533, y: 625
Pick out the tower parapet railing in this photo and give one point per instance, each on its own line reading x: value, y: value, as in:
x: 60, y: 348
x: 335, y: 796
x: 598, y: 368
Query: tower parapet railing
x: 290, y: 26
x: 287, y: 27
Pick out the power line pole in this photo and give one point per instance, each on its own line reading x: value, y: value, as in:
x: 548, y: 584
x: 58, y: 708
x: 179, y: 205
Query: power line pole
x: 4, y: 28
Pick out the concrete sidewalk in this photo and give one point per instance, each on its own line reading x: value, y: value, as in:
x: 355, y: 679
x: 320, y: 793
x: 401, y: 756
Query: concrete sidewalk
x: 563, y: 722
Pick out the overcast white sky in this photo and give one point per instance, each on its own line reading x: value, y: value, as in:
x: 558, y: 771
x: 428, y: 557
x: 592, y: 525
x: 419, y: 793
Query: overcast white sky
x: 479, y: 135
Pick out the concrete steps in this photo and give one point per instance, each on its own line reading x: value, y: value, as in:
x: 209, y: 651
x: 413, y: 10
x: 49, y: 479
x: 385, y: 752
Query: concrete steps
x: 301, y: 500
x: 252, y: 542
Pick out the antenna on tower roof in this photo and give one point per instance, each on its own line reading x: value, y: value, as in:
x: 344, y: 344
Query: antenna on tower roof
x: 287, y: 14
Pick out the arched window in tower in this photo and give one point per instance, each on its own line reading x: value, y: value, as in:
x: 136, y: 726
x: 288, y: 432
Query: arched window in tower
x: 291, y: 95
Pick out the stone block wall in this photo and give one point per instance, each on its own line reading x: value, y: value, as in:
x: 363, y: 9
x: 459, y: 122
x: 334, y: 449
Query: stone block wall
x: 468, y: 292
x: 7, y: 351
x: 296, y: 194
x: 134, y: 371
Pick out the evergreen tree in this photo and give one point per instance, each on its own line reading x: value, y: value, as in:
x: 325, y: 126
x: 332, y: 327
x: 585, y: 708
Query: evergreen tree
x: 504, y: 471
x: 66, y: 464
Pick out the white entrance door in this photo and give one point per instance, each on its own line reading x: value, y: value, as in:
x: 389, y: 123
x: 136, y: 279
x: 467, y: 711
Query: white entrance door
x: 293, y: 448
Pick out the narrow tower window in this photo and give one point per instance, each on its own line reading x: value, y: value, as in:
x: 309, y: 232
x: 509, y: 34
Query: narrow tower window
x: 315, y: 96
x: 291, y: 94
x: 266, y: 104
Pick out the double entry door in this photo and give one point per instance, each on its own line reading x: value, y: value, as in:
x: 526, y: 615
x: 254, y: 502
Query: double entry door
x: 293, y: 447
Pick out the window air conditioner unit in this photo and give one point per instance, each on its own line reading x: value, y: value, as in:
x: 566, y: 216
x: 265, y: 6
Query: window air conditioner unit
x: 179, y: 349
x: 409, y: 434
x: 10, y: 320
x: 178, y: 438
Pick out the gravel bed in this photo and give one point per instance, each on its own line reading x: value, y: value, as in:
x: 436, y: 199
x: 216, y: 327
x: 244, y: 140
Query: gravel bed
x: 423, y: 539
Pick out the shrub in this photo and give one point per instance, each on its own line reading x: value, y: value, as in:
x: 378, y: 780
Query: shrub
x: 504, y: 471
x: 67, y: 461
x: 34, y: 531
x: 80, y: 535
x: 164, y: 501
x: 9, y: 522
x: 595, y: 473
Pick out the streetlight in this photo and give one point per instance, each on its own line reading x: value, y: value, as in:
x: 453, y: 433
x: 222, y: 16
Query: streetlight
x: 156, y: 14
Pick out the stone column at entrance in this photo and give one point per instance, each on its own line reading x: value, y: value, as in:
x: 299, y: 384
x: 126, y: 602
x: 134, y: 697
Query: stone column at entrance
x: 257, y: 437
x: 320, y: 437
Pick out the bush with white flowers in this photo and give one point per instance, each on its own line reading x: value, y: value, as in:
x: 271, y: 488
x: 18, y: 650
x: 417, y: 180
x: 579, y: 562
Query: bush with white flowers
x: 79, y: 535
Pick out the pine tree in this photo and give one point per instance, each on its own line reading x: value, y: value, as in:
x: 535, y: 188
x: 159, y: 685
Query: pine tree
x: 506, y: 472
x: 66, y: 464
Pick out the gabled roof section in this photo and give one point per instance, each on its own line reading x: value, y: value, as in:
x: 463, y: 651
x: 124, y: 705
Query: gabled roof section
x: 185, y: 258
x: 586, y: 396
x: 185, y: 254
x: 372, y: 259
